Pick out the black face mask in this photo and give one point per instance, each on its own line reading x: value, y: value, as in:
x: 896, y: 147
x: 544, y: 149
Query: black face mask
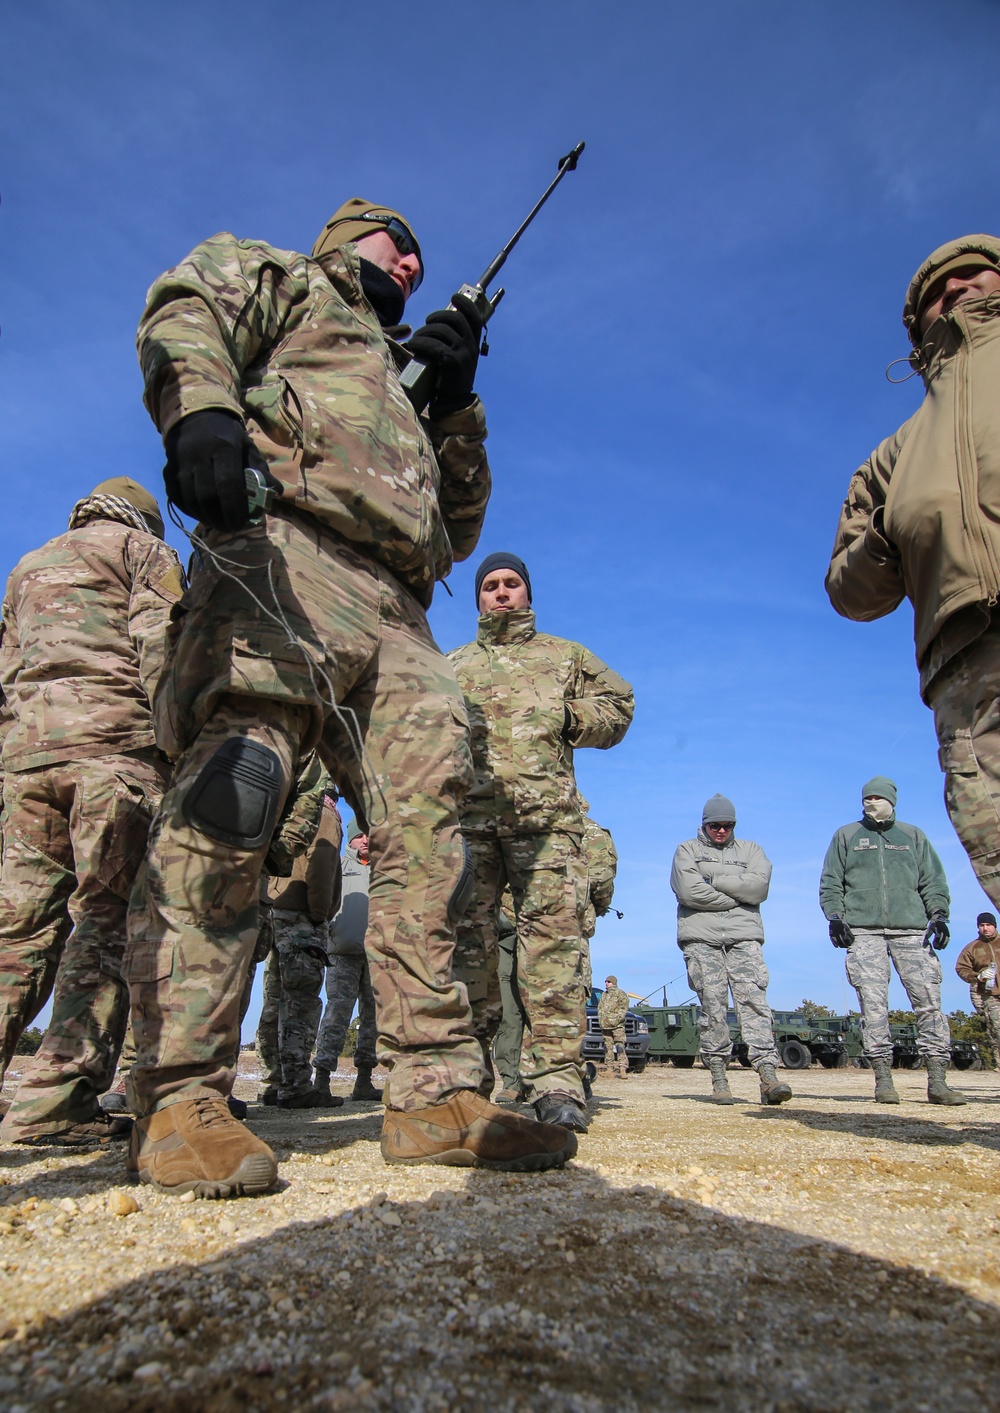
x: 383, y: 294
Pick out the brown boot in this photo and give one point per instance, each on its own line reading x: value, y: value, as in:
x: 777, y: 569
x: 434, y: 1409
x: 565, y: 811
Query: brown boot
x: 465, y: 1131
x: 197, y: 1146
x: 83, y: 1135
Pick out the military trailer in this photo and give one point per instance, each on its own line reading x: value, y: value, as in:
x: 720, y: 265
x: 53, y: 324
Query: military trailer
x: 636, y: 1036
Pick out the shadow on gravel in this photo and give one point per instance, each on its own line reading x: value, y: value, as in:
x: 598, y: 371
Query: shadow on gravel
x: 514, y: 1293
x: 888, y: 1124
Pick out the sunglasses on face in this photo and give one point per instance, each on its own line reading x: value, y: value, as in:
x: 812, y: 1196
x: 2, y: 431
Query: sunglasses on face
x: 400, y: 238
x: 721, y: 826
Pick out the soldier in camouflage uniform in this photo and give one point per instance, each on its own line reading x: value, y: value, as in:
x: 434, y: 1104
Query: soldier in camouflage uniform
x: 720, y: 882
x: 348, y: 978
x: 301, y: 909
x: 602, y: 868
x: 532, y: 700
x: 978, y: 964
x: 612, y: 1009
x: 310, y: 630
x: 920, y: 522
x: 83, y: 640
x: 885, y: 896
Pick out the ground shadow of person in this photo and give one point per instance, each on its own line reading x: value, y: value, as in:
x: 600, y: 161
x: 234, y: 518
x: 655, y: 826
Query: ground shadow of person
x: 507, y: 1291
x: 888, y: 1124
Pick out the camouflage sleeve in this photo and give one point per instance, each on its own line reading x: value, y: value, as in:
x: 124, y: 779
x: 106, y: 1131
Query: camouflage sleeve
x: 465, y: 475
x: 932, y: 882
x: 300, y: 821
x: 690, y: 887
x: 601, y: 705
x: 753, y: 884
x: 10, y: 653
x: 157, y: 584
x: 865, y: 577
x: 832, y: 881
x: 602, y: 865
x: 207, y: 319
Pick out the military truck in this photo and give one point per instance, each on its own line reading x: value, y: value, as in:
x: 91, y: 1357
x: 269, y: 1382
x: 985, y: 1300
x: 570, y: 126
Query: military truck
x: 672, y: 1033
x: 636, y: 1036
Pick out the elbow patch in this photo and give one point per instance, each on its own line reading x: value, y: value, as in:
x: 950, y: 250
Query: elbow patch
x: 236, y: 796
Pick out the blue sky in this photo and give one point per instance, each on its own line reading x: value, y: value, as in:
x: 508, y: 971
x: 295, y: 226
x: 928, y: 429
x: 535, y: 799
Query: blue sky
x: 686, y: 370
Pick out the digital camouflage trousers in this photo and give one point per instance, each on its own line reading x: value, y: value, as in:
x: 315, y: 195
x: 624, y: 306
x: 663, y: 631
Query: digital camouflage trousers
x: 289, y: 1017
x: 74, y: 837
x: 919, y: 969
x: 298, y: 641
x: 965, y: 700
x: 989, y: 1008
x: 740, y: 968
x: 547, y: 874
x: 348, y: 982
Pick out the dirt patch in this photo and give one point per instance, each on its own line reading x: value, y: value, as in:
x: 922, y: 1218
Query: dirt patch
x: 820, y: 1257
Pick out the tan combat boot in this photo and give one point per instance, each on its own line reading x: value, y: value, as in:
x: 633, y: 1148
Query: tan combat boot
x: 721, y: 1093
x: 195, y: 1145
x: 465, y: 1131
x: 772, y: 1089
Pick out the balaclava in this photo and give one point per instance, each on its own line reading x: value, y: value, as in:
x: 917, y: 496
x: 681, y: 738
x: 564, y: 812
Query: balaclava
x: 718, y: 810
x: 352, y: 221
x: 884, y: 805
x: 502, y: 560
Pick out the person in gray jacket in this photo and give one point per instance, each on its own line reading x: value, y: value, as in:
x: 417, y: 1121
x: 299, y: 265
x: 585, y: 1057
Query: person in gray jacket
x: 720, y: 882
x: 885, y: 896
x: 348, y: 980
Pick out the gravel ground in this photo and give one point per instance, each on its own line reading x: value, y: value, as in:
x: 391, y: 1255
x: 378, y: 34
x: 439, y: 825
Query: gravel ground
x: 823, y: 1256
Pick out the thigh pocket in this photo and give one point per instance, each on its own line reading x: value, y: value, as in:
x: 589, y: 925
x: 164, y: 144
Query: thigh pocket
x: 970, y: 802
x: 123, y: 840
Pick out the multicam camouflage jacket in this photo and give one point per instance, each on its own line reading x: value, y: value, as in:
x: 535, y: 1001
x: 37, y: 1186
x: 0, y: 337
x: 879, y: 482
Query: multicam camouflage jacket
x: 292, y: 346
x: 84, y: 619
x: 531, y: 700
x: 602, y: 864
x: 612, y: 1008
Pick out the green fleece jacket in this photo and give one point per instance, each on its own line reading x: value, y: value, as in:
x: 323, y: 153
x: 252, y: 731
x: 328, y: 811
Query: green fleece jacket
x: 883, y: 875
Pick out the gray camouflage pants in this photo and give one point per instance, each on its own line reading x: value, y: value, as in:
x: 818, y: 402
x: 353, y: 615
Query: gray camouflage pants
x: 289, y: 1017
x: 989, y: 1008
x: 715, y: 971
x: 347, y: 981
x: 919, y: 970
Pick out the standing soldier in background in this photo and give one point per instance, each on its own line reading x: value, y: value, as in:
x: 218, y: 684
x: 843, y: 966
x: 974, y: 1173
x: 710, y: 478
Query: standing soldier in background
x: 612, y: 1009
x: 301, y: 908
x: 83, y: 639
x: 922, y: 520
x: 310, y: 630
x: 602, y: 868
x: 978, y: 964
x: 720, y: 882
x: 532, y: 700
x: 348, y: 979
x: 884, y: 893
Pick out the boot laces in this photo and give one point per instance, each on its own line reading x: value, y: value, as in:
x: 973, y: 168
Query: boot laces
x: 212, y: 1111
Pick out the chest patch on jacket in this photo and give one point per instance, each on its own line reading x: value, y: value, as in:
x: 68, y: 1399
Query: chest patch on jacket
x: 864, y: 844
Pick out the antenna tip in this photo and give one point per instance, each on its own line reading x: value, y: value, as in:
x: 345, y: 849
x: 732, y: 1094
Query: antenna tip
x: 571, y: 158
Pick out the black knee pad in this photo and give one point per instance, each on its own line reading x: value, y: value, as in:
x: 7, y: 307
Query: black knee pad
x: 462, y: 893
x: 235, y: 798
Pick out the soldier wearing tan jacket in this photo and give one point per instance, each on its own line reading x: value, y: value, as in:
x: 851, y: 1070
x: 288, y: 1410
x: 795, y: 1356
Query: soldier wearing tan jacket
x: 532, y: 701
x: 978, y: 964
x: 84, y: 619
x: 922, y: 521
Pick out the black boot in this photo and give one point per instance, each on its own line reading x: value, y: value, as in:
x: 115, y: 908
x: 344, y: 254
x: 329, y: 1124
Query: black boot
x: 363, y: 1087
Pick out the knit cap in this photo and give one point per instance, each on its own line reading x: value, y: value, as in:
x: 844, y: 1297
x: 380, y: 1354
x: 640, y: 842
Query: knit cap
x: 881, y: 786
x: 986, y: 917
x: 502, y: 560
x: 718, y: 810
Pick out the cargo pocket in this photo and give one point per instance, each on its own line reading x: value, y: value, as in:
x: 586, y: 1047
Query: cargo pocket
x: 123, y: 841
x: 969, y: 793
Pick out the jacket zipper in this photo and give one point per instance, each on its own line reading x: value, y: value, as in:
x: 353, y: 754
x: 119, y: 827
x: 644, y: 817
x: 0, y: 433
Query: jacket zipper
x: 986, y: 567
x: 885, y: 886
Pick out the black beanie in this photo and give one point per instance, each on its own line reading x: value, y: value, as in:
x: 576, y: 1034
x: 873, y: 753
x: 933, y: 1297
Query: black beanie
x: 501, y: 560
x: 986, y: 917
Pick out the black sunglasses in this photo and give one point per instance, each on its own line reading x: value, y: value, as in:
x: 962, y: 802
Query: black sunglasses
x: 401, y: 239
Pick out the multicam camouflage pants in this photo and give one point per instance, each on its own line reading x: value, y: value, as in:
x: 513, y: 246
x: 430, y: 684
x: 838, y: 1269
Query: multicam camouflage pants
x: 347, y: 631
x: 74, y: 836
x: 715, y: 971
x: 965, y: 700
x: 510, y: 1032
x: 348, y: 980
x: 615, y: 1039
x: 919, y: 970
x: 989, y: 1008
x: 547, y: 874
x: 289, y: 1017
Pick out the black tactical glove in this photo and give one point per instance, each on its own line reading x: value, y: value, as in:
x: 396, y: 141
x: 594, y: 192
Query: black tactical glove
x: 207, y: 454
x: 938, y: 932
x: 840, y: 934
x: 449, y: 343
